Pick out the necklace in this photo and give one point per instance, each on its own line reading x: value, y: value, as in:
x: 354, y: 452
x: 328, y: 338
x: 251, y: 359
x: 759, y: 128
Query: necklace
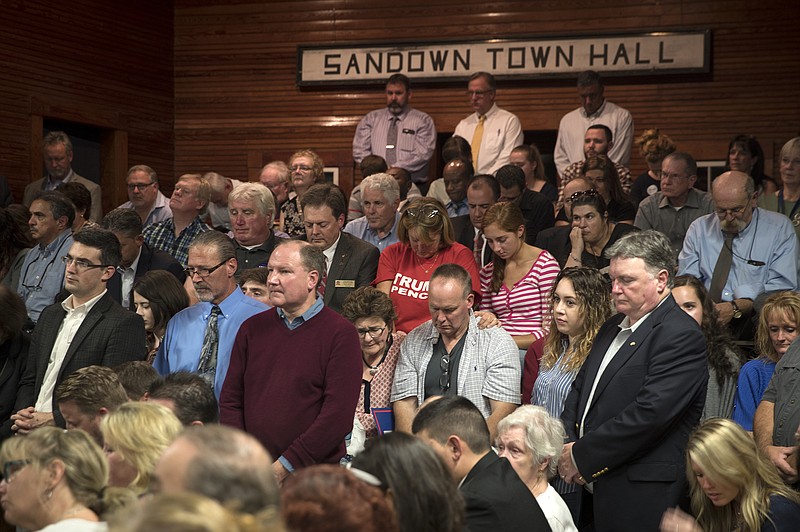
x: 428, y: 269
x: 374, y: 369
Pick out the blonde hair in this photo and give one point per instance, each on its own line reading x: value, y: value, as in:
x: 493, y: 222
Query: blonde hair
x: 140, y: 432
x: 317, y: 166
x: 424, y: 227
x: 654, y: 146
x: 787, y: 303
x: 594, y: 301
x: 728, y: 455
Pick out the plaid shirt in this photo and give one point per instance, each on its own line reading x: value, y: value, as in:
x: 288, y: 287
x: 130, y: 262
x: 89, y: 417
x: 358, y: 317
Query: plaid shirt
x: 161, y: 236
x: 489, y: 367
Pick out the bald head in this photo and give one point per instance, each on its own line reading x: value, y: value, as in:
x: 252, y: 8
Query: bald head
x: 739, y: 181
x: 735, y: 198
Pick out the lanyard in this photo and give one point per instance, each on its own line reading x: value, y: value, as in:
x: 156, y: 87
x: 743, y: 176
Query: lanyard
x: 781, y: 206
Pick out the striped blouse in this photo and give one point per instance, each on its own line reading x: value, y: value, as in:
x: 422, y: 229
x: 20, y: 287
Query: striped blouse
x: 523, y: 308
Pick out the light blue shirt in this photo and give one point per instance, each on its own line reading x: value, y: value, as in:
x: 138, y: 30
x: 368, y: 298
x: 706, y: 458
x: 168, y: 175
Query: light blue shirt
x: 769, y: 238
x: 457, y: 209
x: 180, y: 349
x: 312, y: 311
x: 158, y: 213
x: 41, y: 277
x: 360, y: 228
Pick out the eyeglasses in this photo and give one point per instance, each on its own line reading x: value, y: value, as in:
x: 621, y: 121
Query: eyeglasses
x: 374, y: 332
x: 12, y: 467
x: 444, y: 365
x: 423, y: 212
x: 140, y: 186
x: 722, y: 213
x: 673, y: 177
x: 300, y: 168
x: 203, y: 272
x: 80, y: 264
x: 583, y: 193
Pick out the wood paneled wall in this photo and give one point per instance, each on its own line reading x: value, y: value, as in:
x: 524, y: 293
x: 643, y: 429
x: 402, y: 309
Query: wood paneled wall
x: 237, y: 104
x: 107, y: 64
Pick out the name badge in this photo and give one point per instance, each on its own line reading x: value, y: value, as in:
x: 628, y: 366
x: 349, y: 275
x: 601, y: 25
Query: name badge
x: 410, y: 131
x: 345, y: 283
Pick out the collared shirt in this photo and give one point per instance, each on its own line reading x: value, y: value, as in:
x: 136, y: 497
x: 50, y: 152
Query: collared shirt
x: 127, y: 276
x: 183, y: 341
x: 502, y: 132
x: 416, y: 139
x: 162, y: 236
x: 159, y: 212
x: 330, y: 253
x: 655, y: 212
x: 49, y: 184
x: 218, y: 214
x: 360, y: 228
x: 70, y: 325
x: 769, y: 238
x: 457, y: 209
x: 572, y: 130
x: 312, y: 311
x: 489, y: 368
x: 255, y: 256
x: 355, y: 209
x: 782, y: 391
x: 42, y: 274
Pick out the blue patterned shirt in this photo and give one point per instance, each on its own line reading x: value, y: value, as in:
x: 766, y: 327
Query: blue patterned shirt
x: 161, y: 236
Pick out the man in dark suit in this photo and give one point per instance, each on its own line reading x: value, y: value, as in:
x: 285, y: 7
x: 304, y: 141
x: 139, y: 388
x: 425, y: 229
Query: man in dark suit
x: 496, y: 499
x: 537, y: 210
x: 137, y: 257
x: 637, y: 397
x: 87, y: 328
x: 351, y: 262
x: 483, y: 191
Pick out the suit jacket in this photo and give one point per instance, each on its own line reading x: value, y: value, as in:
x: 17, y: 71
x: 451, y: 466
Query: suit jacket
x: 6, y: 196
x: 497, y: 500
x: 13, y: 360
x: 108, y: 336
x: 538, y: 212
x: 94, y: 189
x: 355, y: 264
x: 647, y: 402
x: 149, y: 259
x: 465, y: 235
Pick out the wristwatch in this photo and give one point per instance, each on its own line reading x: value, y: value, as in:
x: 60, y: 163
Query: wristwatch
x: 737, y: 312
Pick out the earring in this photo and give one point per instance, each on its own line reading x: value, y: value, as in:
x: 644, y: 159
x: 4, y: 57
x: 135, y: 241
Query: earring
x: 48, y: 494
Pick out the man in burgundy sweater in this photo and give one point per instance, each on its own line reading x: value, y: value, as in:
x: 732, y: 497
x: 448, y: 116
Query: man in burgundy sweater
x: 295, y: 372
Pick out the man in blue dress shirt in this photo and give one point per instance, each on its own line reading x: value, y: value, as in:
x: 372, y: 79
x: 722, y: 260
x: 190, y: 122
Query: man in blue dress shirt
x: 211, y: 266
x: 380, y: 198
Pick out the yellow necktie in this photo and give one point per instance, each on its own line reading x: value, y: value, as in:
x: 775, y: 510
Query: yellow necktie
x: 477, y: 137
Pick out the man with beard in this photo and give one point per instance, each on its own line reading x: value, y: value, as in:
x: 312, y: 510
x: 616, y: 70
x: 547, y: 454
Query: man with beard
x: 740, y: 251
x: 222, y: 309
x: 403, y: 136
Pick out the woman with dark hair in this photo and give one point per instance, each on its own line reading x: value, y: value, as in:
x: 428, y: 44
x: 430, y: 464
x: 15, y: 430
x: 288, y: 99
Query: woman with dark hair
x: 654, y: 147
x: 778, y: 326
x: 592, y: 232
x: 746, y: 155
x: 516, y: 284
x: 80, y: 196
x: 14, y: 345
x: 405, y: 268
x: 14, y: 244
x: 417, y: 482
x: 306, y: 169
x: 724, y: 360
x: 329, y: 498
x: 372, y: 313
x: 157, y: 296
x: 581, y: 303
x: 527, y: 157
x: 603, y: 174
x: 732, y: 485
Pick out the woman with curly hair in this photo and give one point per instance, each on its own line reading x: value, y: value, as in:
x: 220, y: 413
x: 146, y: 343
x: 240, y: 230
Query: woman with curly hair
x: 733, y: 486
x: 654, y: 147
x: 581, y: 303
x: 724, y: 360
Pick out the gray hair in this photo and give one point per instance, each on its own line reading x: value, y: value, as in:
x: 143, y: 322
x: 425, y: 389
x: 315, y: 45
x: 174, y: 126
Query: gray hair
x: 544, y: 434
x: 216, y: 240
x: 688, y: 160
x: 146, y: 169
x: 216, y: 181
x: 231, y: 467
x: 384, y: 183
x: 652, y: 247
x: 282, y: 168
x: 456, y: 273
x: 57, y: 137
x: 792, y: 147
x: 258, y: 194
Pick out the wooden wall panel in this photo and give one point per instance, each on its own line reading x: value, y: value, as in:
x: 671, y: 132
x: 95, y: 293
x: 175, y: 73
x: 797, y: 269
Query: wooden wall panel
x: 235, y: 91
x: 104, y: 63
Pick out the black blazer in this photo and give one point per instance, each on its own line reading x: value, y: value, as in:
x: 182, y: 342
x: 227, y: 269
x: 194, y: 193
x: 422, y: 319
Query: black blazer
x: 150, y: 259
x: 647, y: 402
x: 465, y: 235
x: 538, y: 212
x: 498, y: 501
x: 108, y: 336
x: 13, y: 361
x: 355, y: 264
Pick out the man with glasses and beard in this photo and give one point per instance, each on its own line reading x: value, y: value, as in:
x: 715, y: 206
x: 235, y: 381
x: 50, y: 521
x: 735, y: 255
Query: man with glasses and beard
x: 221, y: 310
x: 740, y: 251
x: 451, y: 355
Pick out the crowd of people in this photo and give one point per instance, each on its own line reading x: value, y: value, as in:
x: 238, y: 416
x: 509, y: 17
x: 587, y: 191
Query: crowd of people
x: 580, y: 351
